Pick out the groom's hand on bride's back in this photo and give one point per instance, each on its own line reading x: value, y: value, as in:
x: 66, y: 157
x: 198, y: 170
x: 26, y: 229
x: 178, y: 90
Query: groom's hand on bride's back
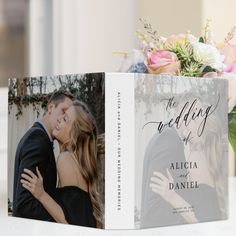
x: 33, y: 182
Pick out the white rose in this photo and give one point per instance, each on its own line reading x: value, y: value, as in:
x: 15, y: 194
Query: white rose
x: 208, y: 55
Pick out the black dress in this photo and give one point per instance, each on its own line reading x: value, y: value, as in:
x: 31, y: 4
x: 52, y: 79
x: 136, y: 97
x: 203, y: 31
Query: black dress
x: 76, y: 205
x: 204, y: 199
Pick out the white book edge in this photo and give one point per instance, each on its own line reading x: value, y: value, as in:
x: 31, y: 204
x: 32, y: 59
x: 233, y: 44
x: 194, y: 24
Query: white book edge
x: 119, y: 151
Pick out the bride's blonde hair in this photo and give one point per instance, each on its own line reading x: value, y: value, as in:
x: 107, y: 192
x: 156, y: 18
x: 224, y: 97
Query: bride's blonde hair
x: 83, y: 143
x: 215, y: 147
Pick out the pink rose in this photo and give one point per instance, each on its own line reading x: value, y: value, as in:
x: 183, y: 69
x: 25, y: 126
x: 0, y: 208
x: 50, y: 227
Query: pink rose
x: 232, y: 93
x: 163, y: 62
x: 229, y: 51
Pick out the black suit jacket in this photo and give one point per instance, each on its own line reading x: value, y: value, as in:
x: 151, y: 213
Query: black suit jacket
x: 162, y: 150
x: 34, y: 149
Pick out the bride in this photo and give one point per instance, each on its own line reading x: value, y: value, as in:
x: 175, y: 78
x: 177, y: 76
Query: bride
x: 76, y: 200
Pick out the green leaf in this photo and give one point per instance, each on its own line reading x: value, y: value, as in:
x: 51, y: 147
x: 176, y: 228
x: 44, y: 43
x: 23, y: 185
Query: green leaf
x: 232, y: 129
x: 201, y: 40
x: 232, y: 114
x: 208, y: 69
x: 234, y: 110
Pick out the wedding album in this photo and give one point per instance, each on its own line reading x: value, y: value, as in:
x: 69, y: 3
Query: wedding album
x: 118, y: 150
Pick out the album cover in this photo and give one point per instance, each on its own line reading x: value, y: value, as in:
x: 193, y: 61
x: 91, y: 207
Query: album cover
x: 181, y: 150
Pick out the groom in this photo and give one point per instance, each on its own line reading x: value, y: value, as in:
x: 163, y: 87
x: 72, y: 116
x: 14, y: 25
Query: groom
x: 36, y: 149
x: 163, y: 149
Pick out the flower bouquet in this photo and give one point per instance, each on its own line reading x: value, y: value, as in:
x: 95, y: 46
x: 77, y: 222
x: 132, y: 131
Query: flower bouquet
x: 187, y: 55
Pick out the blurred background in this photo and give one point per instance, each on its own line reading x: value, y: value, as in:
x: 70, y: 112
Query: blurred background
x: 44, y: 37
x: 12, y: 39
x: 51, y: 37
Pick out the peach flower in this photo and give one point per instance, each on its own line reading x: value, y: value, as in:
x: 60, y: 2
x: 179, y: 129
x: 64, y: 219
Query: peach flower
x: 181, y: 39
x: 231, y: 77
x: 229, y: 51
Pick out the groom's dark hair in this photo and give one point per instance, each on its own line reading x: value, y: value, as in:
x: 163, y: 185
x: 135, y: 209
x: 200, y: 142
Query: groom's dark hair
x: 59, y: 96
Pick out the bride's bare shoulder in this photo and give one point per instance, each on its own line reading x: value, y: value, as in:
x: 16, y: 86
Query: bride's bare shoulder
x: 63, y: 157
x: 65, y: 169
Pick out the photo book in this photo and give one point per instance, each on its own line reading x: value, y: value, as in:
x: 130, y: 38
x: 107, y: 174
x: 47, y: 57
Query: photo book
x: 118, y: 150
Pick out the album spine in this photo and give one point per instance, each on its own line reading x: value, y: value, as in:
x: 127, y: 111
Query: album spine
x: 119, y: 151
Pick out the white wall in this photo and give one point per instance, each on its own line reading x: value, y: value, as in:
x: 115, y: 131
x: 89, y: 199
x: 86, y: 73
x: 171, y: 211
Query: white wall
x: 40, y: 40
x: 222, y: 14
x: 178, y: 16
x: 172, y: 16
x: 79, y: 36
x: 87, y: 32
x: 3, y: 151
